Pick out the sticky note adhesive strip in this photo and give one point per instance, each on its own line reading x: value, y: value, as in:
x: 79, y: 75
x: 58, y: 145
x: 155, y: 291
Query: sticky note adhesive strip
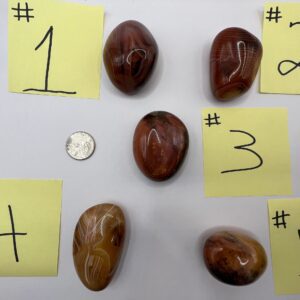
x: 280, y: 71
x: 246, y: 152
x: 55, y: 48
x: 284, y: 220
x: 29, y: 227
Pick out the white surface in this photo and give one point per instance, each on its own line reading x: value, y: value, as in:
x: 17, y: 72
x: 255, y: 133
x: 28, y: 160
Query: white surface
x: 165, y: 220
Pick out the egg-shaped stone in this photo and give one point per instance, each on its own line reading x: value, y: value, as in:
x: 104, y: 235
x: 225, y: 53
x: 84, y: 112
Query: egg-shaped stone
x: 234, y: 62
x: 234, y: 257
x: 130, y: 55
x: 97, y: 245
x: 160, y: 145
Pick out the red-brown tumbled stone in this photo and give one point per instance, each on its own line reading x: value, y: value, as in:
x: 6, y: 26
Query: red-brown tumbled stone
x: 234, y: 257
x: 234, y: 61
x: 160, y: 145
x: 97, y: 245
x: 130, y: 55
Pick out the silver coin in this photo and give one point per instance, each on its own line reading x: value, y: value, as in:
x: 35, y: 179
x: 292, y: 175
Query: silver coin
x: 80, y: 145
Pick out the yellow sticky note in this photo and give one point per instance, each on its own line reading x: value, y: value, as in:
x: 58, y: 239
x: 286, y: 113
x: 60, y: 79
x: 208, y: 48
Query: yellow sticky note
x: 55, y: 48
x: 280, y: 68
x: 246, y: 152
x: 29, y: 227
x: 284, y: 221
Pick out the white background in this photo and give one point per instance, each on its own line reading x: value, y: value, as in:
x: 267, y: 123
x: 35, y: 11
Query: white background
x: 166, y: 221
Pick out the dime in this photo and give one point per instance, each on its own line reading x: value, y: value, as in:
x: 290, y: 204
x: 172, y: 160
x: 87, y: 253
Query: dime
x: 80, y: 145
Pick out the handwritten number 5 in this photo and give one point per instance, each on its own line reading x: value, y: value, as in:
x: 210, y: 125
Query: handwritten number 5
x: 245, y: 148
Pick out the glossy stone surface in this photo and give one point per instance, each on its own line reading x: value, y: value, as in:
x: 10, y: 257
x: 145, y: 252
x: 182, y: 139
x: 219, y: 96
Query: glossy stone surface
x: 234, y: 61
x: 97, y: 245
x: 130, y: 55
x: 160, y: 145
x: 234, y: 257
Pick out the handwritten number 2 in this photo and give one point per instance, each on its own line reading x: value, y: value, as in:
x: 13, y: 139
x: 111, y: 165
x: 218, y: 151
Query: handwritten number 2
x: 245, y: 148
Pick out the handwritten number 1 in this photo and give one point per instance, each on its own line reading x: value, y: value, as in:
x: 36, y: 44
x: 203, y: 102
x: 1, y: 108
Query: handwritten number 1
x: 245, y: 148
x: 48, y: 35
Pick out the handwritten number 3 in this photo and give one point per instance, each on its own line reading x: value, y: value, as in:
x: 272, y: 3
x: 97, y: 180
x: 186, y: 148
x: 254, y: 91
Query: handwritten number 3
x: 245, y: 148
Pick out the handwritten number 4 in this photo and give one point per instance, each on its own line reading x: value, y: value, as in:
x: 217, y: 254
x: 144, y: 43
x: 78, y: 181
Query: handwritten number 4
x: 245, y: 148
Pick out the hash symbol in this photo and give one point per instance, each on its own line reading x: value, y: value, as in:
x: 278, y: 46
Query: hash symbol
x: 281, y: 218
x: 25, y: 10
x: 274, y: 15
x: 212, y: 120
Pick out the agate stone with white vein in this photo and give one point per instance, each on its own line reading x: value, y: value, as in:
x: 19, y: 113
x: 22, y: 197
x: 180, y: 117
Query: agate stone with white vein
x: 97, y: 245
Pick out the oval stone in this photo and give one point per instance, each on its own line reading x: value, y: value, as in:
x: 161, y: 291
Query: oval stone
x: 130, y: 55
x: 160, y: 145
x: 97, y: 245
x: 234, y: 257
x: 234, y: 61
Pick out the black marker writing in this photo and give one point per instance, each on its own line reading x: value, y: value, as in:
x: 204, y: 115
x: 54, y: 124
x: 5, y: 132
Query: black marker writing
x: 245, y: 148
x: 280, y: 219
x: 13, y: 233
x: 292, y: 24
x: 25, y: 10
x: 292, y: 66
x: 49, y: 35
x: 212, y: 120
x: 274, y: 15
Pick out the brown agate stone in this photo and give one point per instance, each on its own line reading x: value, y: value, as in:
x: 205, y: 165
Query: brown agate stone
x: 97, y: 245
x: 234, y: 258
x: 130, y: 54
x: 234, y: 61
x: 160, y: 144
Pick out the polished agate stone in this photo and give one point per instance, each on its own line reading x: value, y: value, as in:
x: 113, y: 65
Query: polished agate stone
x: 234, y: 61
x: 160, y: 145
x: 130, y: 55
x: 234, y: 257
x: 97, y: 245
